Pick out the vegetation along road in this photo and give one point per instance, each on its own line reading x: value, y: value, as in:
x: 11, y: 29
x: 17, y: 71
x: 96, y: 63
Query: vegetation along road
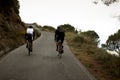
x: 43, y: 64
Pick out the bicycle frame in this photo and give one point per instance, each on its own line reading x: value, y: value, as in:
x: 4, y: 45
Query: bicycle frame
x: 60, y: 48
x: 29, y: 44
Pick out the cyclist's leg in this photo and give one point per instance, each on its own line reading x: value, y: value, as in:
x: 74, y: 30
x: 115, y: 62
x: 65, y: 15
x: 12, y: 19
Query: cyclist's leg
x: 26, y: 40
x: 62, y: 46
x: 59, y: 44
x: 31, y: 43
x: 26, y: 43
x: 56, y: 45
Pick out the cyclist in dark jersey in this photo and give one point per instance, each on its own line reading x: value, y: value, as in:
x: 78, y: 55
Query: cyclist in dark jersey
x: 59, y: 35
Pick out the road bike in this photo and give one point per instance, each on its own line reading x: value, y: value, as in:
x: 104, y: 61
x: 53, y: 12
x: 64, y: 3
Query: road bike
x: 60, y: 49
x: 29, y: 47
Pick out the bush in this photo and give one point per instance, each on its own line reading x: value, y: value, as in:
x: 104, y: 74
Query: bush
x: 79, y: 39
x: 8, y: 4
x: 108, y: 62
x: 111, y: 63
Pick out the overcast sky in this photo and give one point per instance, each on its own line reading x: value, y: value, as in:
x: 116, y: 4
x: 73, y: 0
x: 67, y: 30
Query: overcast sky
x: 82, y: 14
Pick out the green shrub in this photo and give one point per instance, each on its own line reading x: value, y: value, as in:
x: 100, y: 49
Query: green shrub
x: 111, y: 63
x: 79, y: 39
x: 108, y: 62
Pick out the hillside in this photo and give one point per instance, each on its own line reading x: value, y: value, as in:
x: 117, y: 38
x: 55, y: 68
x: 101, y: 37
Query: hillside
x: 11, y: 28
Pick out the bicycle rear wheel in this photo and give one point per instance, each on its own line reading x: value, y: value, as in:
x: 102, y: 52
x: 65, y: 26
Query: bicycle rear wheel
x: 60, y: 55
x: 60, y: 50
x: 29, y: 48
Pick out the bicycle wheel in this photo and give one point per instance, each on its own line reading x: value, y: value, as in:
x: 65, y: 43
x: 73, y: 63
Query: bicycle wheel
x: 60, y: 50
x: 29, y: 48
x: 60, y: 55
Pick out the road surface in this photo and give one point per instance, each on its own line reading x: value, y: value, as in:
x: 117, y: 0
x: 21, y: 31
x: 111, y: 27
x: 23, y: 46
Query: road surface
x: 43, y: 64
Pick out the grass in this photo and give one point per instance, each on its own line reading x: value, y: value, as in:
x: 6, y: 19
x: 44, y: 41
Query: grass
x: 101, y: 64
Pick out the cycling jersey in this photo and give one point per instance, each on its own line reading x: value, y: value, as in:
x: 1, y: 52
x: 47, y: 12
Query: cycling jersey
x: 59, y: 35
x: 30, y: 31
x: 30, y: 34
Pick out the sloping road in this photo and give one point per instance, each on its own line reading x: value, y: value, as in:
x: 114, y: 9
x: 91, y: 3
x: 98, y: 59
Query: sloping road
x: 43, y: 64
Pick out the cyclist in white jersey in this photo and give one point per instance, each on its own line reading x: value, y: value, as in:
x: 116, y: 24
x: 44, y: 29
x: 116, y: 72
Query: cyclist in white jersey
x: 30, y: 34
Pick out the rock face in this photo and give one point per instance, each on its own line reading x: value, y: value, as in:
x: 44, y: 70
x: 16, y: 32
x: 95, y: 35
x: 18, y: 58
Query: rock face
x: 11, y: 27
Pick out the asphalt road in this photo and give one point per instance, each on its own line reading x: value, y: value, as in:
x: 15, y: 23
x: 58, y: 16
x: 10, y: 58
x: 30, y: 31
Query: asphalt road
x: 43, y: 64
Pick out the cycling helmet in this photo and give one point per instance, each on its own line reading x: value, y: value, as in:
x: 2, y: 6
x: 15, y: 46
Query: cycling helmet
x: 30, y: 27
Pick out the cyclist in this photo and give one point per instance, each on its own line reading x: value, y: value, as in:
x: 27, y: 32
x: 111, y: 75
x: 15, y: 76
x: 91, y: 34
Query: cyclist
x: 29, y: 36
x: 59, y: 35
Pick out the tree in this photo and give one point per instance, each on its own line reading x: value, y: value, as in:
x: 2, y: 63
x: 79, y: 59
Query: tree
x: 67, y: 27
x: 106, y: 2
x: 92, y: 35
x: 114, y: 40
x: 104, y: 45
x: 49, y: 28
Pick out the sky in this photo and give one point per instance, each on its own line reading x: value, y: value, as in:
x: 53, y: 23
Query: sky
x: 82, y: 14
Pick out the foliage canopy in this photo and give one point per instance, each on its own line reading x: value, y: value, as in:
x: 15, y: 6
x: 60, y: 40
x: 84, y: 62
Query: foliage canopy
x: 67, y: 27
x: 8, y: 4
